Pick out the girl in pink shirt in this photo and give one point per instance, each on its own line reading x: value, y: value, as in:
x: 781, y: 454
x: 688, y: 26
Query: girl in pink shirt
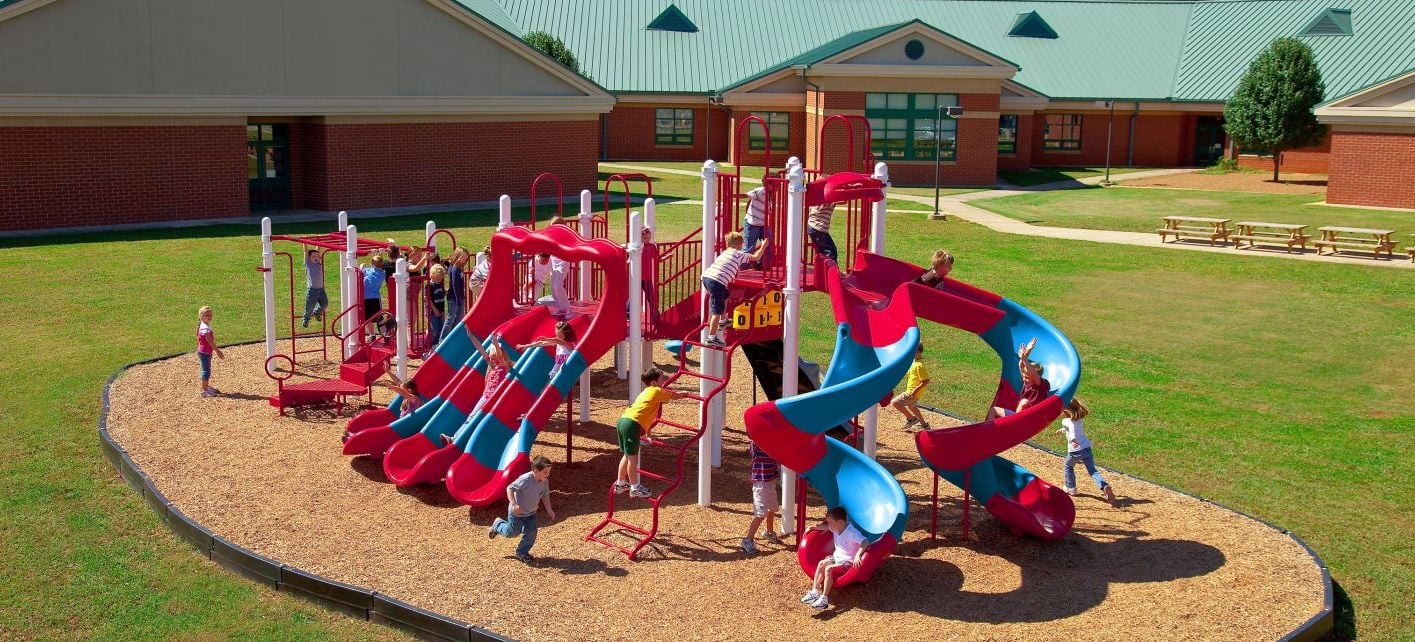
x: 206, y: 346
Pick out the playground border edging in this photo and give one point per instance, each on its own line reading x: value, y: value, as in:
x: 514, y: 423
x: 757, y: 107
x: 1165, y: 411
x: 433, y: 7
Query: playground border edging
x: 353, y: 601
x: 1314, y: 628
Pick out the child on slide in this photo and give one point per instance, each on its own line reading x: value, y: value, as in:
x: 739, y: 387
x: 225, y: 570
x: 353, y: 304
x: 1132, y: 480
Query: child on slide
x: 940, y: 265
x: 1078, y: 450
x: 1034, y: 387
x: 564, y: 342
x: 849, y: 551
x: 409, y: 391
x: 498, y: 367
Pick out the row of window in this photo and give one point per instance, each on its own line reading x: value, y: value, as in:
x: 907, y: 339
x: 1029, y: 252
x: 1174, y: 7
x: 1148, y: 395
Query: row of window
x: 902, y: 127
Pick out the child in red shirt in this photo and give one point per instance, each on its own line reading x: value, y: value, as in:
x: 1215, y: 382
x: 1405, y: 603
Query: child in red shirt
x: 206, y: 346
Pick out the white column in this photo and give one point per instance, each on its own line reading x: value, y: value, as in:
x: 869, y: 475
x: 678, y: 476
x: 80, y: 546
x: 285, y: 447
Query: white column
x: 343, y: 220
x: 877, y: 216
x: 709, y: 241
x: 504, y: 207
x: 267, y: 264
x: 428, y: 230
x: 636, y: 306
x: 343, y: 284
x: 350, y: 277
x: 586, y: 292
x: 400, y: 291
x: 791, y: 322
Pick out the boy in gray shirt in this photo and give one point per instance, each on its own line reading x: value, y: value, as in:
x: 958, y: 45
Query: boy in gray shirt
x: 525, y: 496
x: 316, y: 300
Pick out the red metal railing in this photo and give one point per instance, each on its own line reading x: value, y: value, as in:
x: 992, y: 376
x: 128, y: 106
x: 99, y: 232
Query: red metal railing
x: 628, y: 199
x: 845, y: 121
x: 675, y: 276
x: 559, y: 196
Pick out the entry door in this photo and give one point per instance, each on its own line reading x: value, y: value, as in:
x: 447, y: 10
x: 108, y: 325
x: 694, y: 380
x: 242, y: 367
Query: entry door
x: 1208, y: 142
x: 268, y: 166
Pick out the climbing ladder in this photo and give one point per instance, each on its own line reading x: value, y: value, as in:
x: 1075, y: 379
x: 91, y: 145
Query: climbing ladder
x: 680, y: 449
x: 357, y: 373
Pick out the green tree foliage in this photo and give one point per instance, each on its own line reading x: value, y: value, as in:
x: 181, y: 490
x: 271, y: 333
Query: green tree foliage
x: 553, y: 47
x: 1272, y: 107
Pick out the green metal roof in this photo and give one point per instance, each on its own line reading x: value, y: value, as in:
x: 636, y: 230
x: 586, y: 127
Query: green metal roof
x: 492, y: 12
x: 817, y: 54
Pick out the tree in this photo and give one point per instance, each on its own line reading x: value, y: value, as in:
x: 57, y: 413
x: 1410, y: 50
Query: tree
x: 1272, y: 107
x: 553, y: 47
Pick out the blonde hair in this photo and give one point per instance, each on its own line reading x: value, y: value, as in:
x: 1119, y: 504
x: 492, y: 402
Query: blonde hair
x: 437, y: 272
x: 376, y: 260
x: 942, y: 257
x: 203, y: 311
x: 460, y: 254
x: 734, y: 239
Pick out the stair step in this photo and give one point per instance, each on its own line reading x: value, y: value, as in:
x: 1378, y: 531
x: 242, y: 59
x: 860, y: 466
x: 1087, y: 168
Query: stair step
x: 700, y: 375
x: 636, y: 529
x: 674, y: 424
x: 653, y: 476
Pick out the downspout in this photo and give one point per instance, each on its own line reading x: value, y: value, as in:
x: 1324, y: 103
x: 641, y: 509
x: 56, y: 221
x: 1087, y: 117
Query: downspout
x: 815, y: 131
x: 1130, y: 148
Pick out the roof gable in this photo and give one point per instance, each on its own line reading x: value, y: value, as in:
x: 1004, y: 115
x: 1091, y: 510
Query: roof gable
x: 673, y: 19
x: 1330, y: 22
x: 1390, y: 102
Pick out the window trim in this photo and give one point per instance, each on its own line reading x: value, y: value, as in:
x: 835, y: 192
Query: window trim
x: 757, y: 143
x: 911, y: 115
x: 676, y: 137
x: 1063, y: 145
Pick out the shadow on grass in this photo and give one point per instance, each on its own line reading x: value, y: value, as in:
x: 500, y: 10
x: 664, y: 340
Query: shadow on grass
x: 1344, y: 625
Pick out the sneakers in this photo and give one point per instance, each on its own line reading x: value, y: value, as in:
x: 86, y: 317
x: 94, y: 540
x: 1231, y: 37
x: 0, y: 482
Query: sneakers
x: 749, y: 546
x: 773, y: 538
x: 640, y: 491
x: 1110, y: 497
x: 210, y: 392
x: 307, y: 322
x: 924, y: 425
x: 811, y: 597
x: 910, y: 423
x: 621, y: 487
x: 491, y: 533
x: 526, y: 558
x: 820, y: 604
x: 1070, y: 490
x: 716, y: 342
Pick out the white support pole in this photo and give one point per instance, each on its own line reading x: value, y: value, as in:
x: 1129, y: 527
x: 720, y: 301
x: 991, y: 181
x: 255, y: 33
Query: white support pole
x: 351, y: 281
x: 343, y: 284
x: 709, y: 242
x: 791, y: 323
x: 343, y: 220
x: 428, y: 231
x: 267, y: 265
x: 636, y: 306
x: 877, y: 219
x: 586, y: 291
x: 400, y: 291
x: 792, y: 162
x: 504, y: 207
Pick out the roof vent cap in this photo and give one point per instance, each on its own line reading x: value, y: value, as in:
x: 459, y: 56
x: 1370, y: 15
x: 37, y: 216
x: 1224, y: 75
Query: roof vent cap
x: 1330, y: 22
x: 1031, y: 25
x: 673, y: 19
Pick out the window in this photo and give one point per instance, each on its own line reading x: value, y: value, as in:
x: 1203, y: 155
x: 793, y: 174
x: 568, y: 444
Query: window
x: 1062, y: 133
x: 778, y: 122
x: 902, y: 126
x: 673, y: 126
x: 1007, y: 134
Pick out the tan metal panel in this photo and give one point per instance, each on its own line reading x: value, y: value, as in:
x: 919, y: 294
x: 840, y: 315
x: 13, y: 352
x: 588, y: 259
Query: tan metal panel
x: 77, y: 46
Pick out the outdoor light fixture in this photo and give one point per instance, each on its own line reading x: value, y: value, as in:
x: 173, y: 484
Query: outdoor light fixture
x: 953, y: 112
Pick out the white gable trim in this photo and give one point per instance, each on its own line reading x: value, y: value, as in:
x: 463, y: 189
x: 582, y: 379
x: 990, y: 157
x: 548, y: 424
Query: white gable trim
x: 762, y: 82
x: 920, y: 29
x: 910, y: 71
x: 467, y: 17
x: 1349, y: 110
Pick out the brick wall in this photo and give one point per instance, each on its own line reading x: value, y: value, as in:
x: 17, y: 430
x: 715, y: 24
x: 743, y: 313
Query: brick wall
x: 78, y: 176
x: 630, y: 134
x: 1308, y: 160
x: 1164, y: 140
x: 1022, y: 160
x: 1365, y: 169
x: 386, y: 165
x: 795, y: 144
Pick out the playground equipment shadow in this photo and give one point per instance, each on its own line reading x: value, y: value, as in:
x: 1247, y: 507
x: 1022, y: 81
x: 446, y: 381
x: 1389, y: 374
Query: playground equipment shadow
x: 1164, y: 566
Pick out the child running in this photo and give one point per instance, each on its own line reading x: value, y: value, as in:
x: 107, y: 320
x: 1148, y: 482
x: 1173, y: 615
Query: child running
x: 754, y: 222
x: 849, y: 550
x: 316, y: 299
x: 1078, y: 449
x: 524, y: 497
x: 564, y: 342
x: 1034, y: 387
x: 206, y: 346
x: 765, y: 505
x: 720, y: 274
x: 907, y: 403
x: 818, y: 229
x: 633, y: 424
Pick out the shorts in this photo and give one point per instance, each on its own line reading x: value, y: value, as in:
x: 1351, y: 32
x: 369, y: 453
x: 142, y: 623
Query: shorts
x: 372, y: 307
x: 205, y: 358
x: 841, y: 569
x: 904, y: 397
x: 764, y: 498
x: 628, y: 431
x: 717, y: 296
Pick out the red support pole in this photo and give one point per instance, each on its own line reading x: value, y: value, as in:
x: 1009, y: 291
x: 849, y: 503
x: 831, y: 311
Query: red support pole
x: 967, y: 502
x: 801, y: 488
x: 569, y: 426
x: 933, y: 526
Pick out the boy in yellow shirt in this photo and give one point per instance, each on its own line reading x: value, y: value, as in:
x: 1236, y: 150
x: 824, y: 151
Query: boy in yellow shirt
x: 907, y: 403
x: 633, y: 425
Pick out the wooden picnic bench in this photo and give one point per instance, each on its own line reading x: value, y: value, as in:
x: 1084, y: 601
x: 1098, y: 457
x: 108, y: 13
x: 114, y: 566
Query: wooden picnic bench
x: 1199, y: 227
x: 1255, y: 232
x: 1411, y: 250
x: 1356, y: 238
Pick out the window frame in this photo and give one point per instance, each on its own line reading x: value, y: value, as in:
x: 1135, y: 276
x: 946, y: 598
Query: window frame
x: 757, y: 143
x: 905, y: 122
x: 676, y: 136
x: 1062, y: 143
x: 1006, y: 147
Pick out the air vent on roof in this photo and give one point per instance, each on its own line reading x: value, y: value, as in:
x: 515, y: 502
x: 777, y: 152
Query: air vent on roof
x: 1031, y: 25
x: 1331, y: 22
x: 672, y: 19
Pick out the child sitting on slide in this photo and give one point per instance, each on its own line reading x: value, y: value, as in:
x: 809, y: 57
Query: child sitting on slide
x: 720, y: 274
x: 1034, y: 387
x: 498, y: 367
x: 564, y: 342
x: 849, y: 551
x: 941, y: 264
x: 409, y: 391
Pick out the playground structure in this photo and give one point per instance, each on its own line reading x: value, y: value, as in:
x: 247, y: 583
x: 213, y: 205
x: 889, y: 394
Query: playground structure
x: 477, y: 452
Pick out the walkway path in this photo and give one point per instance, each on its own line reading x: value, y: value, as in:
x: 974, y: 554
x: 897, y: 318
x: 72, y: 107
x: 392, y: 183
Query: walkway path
x: 958, y: 205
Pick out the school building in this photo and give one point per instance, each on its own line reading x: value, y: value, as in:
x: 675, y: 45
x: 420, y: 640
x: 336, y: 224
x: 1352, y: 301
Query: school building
x: 118, y: 111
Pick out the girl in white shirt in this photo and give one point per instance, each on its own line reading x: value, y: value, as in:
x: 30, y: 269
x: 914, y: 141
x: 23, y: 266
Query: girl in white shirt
x: 1078, y: 449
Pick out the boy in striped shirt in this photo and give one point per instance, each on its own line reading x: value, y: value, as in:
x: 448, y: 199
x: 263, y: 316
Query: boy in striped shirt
x: 765, y: 506
x: 720, y: 274
x: 754, y: 223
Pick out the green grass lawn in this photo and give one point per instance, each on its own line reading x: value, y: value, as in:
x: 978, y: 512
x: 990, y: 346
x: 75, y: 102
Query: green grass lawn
x: 1042, y: 175
x: 1239, y: 378
x: 1139, y: 210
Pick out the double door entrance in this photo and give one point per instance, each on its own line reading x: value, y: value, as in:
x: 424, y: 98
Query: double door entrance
x: 268, y: 166
x: 1208, y: 140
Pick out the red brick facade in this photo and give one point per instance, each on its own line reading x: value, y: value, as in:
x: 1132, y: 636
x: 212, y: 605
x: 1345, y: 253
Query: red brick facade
x: 1022, y: 159
x: 1161, y: 140
x: 1308, y: 160
x: 630, y: 134
x: 1366, y: 169
x: 795, y: 139
x: 79, y: 176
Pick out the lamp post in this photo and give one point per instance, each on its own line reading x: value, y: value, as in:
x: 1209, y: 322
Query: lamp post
x: 954, y: 113
x: 1110, y: 124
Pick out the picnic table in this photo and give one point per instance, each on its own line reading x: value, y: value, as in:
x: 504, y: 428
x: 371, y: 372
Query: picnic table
x: 1255, y: 232
x: 1356, y: 238
x: 1213, y: 229
x: 1410, y: 249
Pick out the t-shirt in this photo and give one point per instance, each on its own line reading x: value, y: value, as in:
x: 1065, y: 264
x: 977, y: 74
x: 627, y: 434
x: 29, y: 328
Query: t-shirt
x: 528, y: 492
x: 917, y: 376
x: 764, y: 468
x: 481, y: 270
x: 1035, y: 393
x: 1076, y: 439
x: 645, y: 408
x: 206, y: 339
x: 494, y: 376
x: 559, y: 265
x: 373, y: 282
x: 314, y: 273
x: 819, y: 217
x: 437, y: 295
x: 411, y: 404
x: 726, y: 266
x: 456, y: 285
x: 756, y: 207
x: 540, y: 272
x: 847, y: 544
